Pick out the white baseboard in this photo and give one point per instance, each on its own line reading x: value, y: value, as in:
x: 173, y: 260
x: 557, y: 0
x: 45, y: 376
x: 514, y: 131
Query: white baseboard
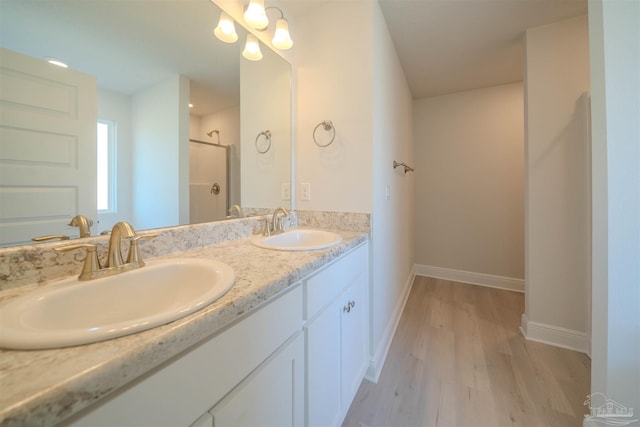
x: 380, y: 355
x: 554, y: 335
x: 489, y: 280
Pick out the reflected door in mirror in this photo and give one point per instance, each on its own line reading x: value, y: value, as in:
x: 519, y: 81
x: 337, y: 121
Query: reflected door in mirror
x: 47, y: 148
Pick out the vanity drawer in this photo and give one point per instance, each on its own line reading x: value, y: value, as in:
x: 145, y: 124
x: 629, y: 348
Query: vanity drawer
x: 326, y: 285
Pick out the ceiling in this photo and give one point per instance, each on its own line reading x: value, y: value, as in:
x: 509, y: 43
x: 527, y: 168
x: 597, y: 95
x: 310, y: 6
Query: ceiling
x: 444, y: 46
x: 448, y: 46
x: 130, y: 45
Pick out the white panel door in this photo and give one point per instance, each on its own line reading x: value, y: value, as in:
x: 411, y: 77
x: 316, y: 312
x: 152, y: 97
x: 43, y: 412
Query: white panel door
x: 48, y: 121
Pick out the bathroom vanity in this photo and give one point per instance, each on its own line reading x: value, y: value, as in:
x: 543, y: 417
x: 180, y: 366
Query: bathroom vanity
x: 287, y: 345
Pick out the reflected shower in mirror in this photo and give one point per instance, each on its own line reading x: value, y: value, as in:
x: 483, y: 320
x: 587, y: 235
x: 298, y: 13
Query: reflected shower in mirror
x: 135, y: 77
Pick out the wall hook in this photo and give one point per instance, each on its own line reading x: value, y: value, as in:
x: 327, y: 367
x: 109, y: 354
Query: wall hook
x: 406, y: 167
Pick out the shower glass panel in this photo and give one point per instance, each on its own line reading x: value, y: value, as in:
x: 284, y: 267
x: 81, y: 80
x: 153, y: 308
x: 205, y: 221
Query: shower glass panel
x: 208, y: 182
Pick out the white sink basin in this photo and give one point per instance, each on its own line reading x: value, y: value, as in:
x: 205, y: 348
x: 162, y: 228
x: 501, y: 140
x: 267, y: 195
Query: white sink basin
x: 73, y: 312
x: 299, y: 240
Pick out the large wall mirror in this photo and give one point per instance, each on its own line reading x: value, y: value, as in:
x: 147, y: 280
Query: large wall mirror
x: 113, y: 137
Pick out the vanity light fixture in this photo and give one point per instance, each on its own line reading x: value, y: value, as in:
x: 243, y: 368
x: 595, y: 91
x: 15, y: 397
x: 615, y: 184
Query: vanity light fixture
x: 281, y: 37
x: 252, y: 49
x: 226, y: 29
x: 256, y: 17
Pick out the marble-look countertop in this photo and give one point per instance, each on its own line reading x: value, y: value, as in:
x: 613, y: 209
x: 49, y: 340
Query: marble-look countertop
x: 43, y: 388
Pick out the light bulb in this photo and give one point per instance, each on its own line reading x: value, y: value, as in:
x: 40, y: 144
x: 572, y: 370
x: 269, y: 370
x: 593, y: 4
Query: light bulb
x: 281, y: 38
x: 252, y: 49
x: 226, y: 29
x: 255, y: 15
x: 57, y: 63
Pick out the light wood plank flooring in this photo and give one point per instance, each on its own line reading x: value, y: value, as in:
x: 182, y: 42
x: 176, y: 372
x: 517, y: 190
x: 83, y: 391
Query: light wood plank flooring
x: 458, y: 359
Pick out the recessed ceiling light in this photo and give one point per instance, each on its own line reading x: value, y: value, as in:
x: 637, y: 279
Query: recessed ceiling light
x: 57, y: 62
x: 190, y: 105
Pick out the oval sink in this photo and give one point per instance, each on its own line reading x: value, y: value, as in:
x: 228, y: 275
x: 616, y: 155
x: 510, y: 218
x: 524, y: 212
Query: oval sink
x: 299, y: 240
x: 73, y: 312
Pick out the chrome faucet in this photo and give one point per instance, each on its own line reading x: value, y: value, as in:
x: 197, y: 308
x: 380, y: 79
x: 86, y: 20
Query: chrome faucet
x: 277, y: 223
x: 83, y: 224
x: 92, y: 268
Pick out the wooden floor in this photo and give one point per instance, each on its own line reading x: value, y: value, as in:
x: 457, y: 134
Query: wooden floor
x: 458, y: 359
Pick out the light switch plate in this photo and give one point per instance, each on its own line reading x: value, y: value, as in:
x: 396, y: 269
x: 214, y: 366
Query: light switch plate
x: 305, y: 191
x: 286, y: 191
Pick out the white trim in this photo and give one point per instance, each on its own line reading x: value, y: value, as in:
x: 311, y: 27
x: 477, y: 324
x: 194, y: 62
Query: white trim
x: 490, y: 280
x: 377, y: 360
x: 553, y: 335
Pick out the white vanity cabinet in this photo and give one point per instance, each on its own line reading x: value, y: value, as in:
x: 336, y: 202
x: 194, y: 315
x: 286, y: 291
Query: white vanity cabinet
x: 354, y: 339
x: 336, y: 311
x: 269, y: 397
x: 296, y: 361
x: 179, y: 392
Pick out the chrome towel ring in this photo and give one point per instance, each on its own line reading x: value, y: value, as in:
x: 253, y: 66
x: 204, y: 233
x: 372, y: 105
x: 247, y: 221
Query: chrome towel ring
x: 328, y: 126
x: 266, y: 144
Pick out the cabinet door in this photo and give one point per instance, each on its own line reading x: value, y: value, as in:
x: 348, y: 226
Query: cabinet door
x: 323, y: 369
x: 354, y: 339
x: 270, y: 396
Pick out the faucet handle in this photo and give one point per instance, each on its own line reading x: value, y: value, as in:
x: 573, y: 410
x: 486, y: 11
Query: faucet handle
x: 266, y: 228
x: 50, y: 237
x: 91, y: 264
x: 134, y: 256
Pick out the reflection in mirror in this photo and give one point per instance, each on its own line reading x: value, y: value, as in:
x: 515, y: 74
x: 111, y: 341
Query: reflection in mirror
x: 134, y: 78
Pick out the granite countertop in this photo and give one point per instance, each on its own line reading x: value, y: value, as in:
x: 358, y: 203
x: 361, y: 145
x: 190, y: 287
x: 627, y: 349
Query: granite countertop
x: 43, y: 388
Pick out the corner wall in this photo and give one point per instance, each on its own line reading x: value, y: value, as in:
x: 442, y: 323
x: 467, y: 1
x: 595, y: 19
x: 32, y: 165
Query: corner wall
x: 350, y: 74
x: 160, y: 154
x: 333, y: 69
x: 393, y: 224
x: 470, y: 193
x: 557, y: 185
x: 614, y: 37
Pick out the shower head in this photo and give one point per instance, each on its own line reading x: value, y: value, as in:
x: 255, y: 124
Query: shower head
x: 216, y: 131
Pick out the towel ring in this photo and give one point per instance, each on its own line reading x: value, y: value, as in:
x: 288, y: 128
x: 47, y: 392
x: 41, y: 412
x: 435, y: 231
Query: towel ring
x: 327, y: 125
x: 267, y: 137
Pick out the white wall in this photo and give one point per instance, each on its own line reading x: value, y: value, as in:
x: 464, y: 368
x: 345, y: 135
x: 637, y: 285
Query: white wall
x: 334, y: 82
x: 614, y: 33
x: 351, y: 76
x: 263, y: 107
x: 557, y: 191
x: 470, y: 190
x: 393, y: 216
x: 117, y: 107
x: 160, y: 135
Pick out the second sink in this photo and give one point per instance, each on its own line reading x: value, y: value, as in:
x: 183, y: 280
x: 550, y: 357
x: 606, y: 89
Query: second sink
x: 299, y: 240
